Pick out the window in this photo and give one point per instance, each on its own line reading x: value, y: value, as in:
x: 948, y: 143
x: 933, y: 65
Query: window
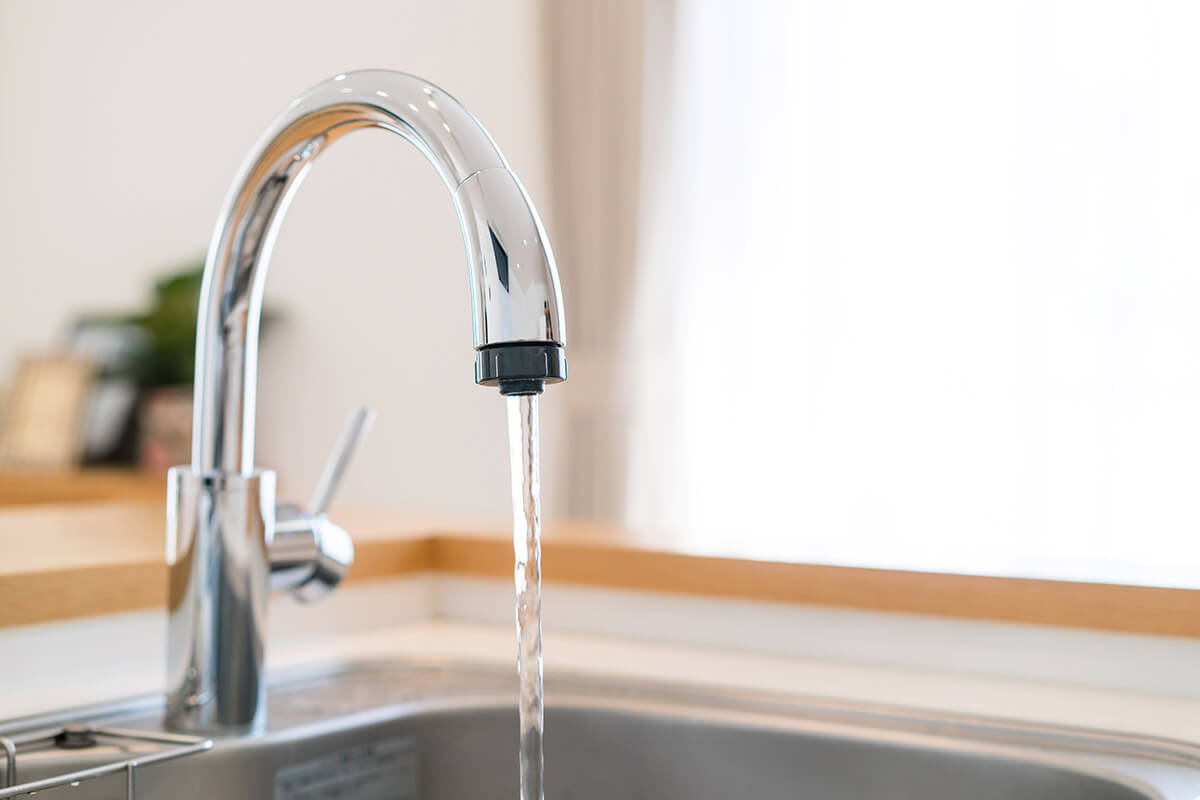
x: 919, y: 287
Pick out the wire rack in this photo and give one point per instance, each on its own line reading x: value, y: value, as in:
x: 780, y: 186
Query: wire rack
x: 179, y: 746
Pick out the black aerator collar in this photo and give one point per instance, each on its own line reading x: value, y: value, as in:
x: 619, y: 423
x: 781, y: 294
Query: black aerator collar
x: 520, y: 367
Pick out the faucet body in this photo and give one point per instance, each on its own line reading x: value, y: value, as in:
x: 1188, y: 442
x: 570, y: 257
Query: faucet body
x: 225, y: 532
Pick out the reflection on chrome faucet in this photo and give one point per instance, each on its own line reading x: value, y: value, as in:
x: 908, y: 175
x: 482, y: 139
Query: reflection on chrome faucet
x: 225, y: 533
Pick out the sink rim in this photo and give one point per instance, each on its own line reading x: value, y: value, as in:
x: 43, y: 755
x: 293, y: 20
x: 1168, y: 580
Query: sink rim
x: 576, y: 687
x: 1059, y: 746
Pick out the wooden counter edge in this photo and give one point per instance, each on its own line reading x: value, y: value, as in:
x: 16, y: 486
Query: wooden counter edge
x: 61, y: 594
x: 1099, y: 606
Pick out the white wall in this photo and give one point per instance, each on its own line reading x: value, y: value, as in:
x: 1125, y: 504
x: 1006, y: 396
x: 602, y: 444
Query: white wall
x: 121, y: 125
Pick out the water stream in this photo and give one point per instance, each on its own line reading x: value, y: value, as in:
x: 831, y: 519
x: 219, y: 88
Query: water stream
x: 524, y: 446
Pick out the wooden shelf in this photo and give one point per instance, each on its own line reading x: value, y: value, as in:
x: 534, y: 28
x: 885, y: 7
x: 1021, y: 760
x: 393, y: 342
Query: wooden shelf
x: 23, y: 487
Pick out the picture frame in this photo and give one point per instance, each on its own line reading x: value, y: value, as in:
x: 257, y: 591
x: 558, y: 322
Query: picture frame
x: 44, y: 412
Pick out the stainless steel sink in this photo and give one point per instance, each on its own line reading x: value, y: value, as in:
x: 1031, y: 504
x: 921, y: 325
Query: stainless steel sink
x: 404, y: 731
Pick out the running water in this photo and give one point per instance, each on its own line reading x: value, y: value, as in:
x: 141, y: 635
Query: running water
x: 523, y: 448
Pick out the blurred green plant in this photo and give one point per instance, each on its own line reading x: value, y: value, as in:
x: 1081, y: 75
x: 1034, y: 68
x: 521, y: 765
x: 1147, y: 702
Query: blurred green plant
x: 168, y: 356
x: 164, y: 351
x: 146, y: 351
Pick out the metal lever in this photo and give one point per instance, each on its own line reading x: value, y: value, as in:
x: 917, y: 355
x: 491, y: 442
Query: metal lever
x: 309, y: 554
x: 356, y: 430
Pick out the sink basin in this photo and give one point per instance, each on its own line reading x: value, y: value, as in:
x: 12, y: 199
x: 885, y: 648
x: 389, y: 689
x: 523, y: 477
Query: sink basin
x: 405, y: 731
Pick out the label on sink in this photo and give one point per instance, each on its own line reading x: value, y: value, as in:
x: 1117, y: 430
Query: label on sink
x: 383, y: 770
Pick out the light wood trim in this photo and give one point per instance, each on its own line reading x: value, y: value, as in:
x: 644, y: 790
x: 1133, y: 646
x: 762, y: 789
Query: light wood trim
x: 1138, y: 609
x: 61, y: 594
x: 74, y: 560
x: 39, y: 487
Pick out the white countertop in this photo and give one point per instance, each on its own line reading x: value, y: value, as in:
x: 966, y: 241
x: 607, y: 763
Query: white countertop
x: 1111, y: 681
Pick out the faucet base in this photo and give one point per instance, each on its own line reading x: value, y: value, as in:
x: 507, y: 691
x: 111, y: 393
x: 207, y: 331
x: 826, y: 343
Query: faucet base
x: 219, y: 529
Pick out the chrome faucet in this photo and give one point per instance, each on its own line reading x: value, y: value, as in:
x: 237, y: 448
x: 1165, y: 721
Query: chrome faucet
x: 228, y: 542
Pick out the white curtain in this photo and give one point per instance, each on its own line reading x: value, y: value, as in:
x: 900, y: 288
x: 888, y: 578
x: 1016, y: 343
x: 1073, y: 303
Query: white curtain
x: 594, y: 67
x: 918, y: 284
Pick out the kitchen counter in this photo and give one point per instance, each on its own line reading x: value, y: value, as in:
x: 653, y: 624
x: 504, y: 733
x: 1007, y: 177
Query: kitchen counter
x: 1121, y: 682
x: 63, y: 561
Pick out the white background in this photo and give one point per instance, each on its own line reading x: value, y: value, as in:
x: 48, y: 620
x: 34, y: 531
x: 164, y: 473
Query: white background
x: 121, y: 126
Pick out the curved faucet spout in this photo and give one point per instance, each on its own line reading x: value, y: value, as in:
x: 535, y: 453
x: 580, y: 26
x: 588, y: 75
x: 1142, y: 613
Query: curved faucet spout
x: 515, y: 292
x: 228, y: 541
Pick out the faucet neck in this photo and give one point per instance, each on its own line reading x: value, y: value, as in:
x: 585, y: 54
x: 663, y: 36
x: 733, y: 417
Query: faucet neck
x: 514, y: 283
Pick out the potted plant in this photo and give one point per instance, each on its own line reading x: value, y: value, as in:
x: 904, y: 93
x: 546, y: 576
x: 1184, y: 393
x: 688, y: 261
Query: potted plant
x: 153, y: 363
x: 163, y: 369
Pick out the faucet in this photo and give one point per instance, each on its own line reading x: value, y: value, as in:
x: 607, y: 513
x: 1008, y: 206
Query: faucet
x: 228, y: 541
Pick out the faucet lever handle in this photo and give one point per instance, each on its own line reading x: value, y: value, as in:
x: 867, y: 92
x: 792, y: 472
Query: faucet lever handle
x: 309, y: 554
x: 357, y: 425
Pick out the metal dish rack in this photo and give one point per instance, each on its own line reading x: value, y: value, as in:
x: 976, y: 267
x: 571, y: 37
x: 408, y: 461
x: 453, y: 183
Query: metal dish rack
x: 182, y: 746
